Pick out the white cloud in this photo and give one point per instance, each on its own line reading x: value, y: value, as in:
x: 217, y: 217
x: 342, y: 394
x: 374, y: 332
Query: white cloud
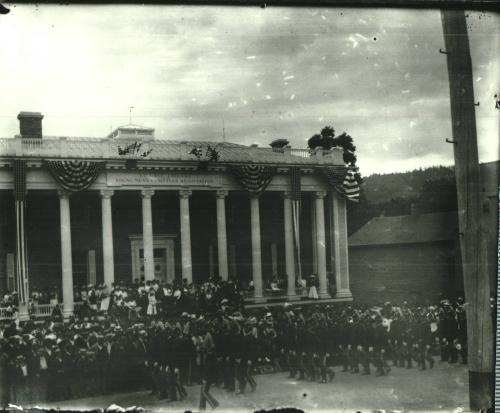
x: 182, y: 67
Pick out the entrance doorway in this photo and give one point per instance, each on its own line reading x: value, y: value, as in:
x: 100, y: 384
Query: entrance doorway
x: 163, y: 253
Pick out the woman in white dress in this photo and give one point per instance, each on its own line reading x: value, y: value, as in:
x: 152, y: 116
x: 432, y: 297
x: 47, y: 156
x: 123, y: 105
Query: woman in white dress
x: 313, y: 291
x: 151, y: 303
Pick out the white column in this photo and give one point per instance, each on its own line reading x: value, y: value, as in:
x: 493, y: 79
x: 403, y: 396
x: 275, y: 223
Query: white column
x: 314, y: 247
x: 289, y: 245
x: 221, y: 234
x: 256, y: 251
x: 187, y: 266
x: 321, y: 243
x: 107, y: 238
x: 66, y: 259
x: 147, y: 234
x: 340, y: 246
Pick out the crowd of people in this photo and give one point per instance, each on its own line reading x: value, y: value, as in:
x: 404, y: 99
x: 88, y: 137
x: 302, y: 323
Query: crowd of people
x: 203, y: 336
x: 134, y: 301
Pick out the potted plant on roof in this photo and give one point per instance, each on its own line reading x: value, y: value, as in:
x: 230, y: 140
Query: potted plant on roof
x: 279, y: 144
x: 326, y: 139
x: 205, y: 156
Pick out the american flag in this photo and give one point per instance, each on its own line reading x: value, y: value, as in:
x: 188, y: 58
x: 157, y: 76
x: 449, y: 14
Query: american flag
x: 296, y: 201
x: 345, y: 180
x: 350, y: 185
x: 20, y: 206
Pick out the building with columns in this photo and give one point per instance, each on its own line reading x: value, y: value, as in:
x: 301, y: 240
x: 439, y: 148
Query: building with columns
x: 131, y: 206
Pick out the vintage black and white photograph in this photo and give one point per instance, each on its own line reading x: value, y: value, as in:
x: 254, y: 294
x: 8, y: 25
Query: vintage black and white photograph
x: 237, y: 208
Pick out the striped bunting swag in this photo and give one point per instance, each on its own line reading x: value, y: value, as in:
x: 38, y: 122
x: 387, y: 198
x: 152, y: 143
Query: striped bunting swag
x: 20, y: 206
x: 350, y: 185
x: 345, y: 180
x: 254, y: 178
x: 74, y: 176
x: 333, y: 174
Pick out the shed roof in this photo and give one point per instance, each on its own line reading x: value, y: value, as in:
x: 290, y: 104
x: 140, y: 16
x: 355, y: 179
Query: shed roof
x: 407, y: 229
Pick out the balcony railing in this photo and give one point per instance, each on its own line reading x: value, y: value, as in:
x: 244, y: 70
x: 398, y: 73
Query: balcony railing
x: 269, y: 293
x: 162, y: 150
x: 6, y: 313
x: 38, y: 310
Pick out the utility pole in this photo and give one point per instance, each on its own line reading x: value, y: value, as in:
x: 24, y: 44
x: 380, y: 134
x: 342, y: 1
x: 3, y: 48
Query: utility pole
x: 473, y: 240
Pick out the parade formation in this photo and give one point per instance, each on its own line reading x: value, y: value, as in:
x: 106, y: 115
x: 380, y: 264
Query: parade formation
x: 194, y: 335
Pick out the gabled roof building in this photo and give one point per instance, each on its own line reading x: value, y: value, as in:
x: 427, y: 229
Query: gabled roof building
x: 406, y: 258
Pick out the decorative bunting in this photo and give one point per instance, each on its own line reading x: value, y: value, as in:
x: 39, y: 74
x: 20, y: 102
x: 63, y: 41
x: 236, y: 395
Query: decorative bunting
x: 21, y: 250
x: 345, y: 180
x: 19, y: 179
x: 296, y: 202
x: 295, y: 182
x: 74, y: 176
x: 333, y: 174
x: 350, y: 185
x: 254, y: 178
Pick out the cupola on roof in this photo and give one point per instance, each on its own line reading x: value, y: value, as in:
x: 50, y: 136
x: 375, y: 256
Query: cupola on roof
x: 132, y: 131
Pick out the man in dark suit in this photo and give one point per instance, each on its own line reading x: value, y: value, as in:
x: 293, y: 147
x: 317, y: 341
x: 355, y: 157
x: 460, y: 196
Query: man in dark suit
x: 4, y: 374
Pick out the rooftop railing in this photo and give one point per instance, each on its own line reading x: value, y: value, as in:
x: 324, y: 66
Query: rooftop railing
x: 160, y: 150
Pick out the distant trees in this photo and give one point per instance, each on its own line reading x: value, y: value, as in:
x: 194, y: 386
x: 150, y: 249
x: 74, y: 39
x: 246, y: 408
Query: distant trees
x: 279, y: 143
x: 430, y: 190
x: 326, y: 139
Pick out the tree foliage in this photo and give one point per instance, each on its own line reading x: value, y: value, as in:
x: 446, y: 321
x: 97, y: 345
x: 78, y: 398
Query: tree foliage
x: 326, y: 139
x: 430, y: 190
x: 279, y: 143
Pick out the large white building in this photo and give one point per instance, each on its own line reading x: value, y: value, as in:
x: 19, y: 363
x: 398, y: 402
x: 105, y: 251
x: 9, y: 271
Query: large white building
x: 131, y: 206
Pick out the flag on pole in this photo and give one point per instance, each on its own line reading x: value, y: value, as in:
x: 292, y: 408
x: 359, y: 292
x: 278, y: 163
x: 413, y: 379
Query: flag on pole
x: 20, y: 206
x: 296, y: 201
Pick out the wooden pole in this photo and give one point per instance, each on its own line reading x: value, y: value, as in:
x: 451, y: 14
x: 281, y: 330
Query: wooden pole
x: 472, y: 238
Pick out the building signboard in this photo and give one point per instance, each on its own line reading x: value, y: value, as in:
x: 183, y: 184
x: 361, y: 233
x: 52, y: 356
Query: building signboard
x: 141, y: 178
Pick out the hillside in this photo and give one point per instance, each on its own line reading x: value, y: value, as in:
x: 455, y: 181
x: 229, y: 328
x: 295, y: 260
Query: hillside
x: 379, y: 188
x: 423, y: 190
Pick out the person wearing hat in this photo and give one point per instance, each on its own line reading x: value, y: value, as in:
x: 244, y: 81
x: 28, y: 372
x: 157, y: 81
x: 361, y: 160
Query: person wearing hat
x: 461, y: 332
x: 37, y: 367
x: 209, y: 373
x: 5, y: 381
x: 56, y: 372
x: 312, y: 284
x: 21, y: 381
x: 152, y: 310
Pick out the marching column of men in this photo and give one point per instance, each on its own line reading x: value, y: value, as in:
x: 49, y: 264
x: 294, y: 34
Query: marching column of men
x: 100, y: 355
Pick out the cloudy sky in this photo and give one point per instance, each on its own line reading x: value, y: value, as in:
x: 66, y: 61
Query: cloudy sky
x: 268, y: 73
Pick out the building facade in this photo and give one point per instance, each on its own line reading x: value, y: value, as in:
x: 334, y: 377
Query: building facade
x: 130, y: 206
x: 417, y: 257
x: 414, y: 258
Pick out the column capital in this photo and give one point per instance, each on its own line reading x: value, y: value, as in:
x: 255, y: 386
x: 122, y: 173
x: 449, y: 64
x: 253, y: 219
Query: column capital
x: 147, y: 193
x: 254, y: 195
x: 287, y: 195
x: 185, y: 193
x: 63, y: 193
x: 221, y: 193
x: 320, y: 194
x: 107, y: 193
